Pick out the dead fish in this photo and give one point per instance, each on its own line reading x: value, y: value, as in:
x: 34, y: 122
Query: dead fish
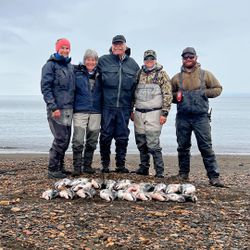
x: 133, y: 188
x: 108, y: 195
x: 188, y: 189
x: 109, y: 184
x: 158, y: 195
x: 125, y: 195
x: 147, y: 187
x: 123, y: 184
x: 62, y: 183
x: 87, y: 185
x: 86, y: 193
x: 49, y: 194
x: 66, y: 193
x: 79, y: 181
x: 143, y: 196
x: 173, y: 188
x: 97, y: 183
x: 175, y: 197
x: 192, y: 198
x: 160, y: 187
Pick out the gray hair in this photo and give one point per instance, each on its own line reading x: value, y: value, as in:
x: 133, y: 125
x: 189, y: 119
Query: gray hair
x: 90, y: 53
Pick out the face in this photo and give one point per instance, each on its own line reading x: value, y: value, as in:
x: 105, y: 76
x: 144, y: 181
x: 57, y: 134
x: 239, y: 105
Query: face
x: 149, y: 63
x: 189, y: 61
x: 90, y: 63
x: 119, y: 48
x: 64, y: 51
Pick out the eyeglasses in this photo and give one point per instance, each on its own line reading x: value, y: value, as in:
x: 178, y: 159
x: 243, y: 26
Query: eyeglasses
x: 186, y: 57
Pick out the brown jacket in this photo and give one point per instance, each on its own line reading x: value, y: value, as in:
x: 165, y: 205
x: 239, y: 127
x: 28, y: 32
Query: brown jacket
x: 191, y: 81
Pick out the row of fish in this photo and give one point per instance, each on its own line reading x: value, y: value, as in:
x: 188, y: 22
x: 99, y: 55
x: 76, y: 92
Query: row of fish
x: 110, y: 190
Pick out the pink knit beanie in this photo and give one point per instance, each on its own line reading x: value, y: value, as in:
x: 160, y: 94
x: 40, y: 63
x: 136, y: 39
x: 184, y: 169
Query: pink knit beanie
x: 62, y: 42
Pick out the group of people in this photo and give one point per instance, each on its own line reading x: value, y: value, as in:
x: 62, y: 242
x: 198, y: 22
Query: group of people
x: 102, y: 94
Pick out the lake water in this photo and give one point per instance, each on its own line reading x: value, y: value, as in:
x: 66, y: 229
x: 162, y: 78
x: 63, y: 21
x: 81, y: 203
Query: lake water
x: 24, y: 127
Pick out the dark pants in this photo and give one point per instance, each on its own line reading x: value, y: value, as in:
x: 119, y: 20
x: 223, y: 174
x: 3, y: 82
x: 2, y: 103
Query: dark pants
x: 61, y: 130
x: 114, y: 125
x: 200, y: 124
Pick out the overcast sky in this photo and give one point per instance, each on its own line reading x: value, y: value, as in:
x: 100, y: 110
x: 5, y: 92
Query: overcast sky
x: 219, y: 31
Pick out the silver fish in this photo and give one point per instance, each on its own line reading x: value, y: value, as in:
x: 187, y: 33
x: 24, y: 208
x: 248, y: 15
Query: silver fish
x: 173, y: 188
x: 82, y: 186
x: 97, y: 183
x: 108, y: 195
x: 123, y: 184
x: 109, y: 184
x: 147, y: 187
x: 125, y: 195
x: 67, y: 193
x: 188, y: 189
x: 62, y: 183
x: 143, y: 196
x: 158, y: 195
x: 160, y: 187
x: 86, y: 193
x: 49, y: 194
x: 78, y: 181
x: 175, y: 197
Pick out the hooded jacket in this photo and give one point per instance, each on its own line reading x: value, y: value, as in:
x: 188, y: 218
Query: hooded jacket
x: 118, y: 79
x: 57, y: 83
x: 87, y: 99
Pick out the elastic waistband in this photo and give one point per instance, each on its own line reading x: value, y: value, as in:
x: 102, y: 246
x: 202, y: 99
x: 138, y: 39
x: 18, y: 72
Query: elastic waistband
x: 147, y: 110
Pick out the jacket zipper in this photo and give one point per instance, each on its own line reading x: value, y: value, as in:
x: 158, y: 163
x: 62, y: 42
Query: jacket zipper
x: 119, y: 86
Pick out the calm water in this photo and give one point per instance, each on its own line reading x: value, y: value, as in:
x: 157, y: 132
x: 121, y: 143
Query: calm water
x: 24, y: 128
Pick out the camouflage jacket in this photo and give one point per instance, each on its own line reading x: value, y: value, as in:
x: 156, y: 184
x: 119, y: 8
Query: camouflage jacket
x: 191, y: 81
x: 160, y: 77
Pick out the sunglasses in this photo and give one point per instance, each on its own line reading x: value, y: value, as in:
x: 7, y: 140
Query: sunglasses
x: 188, y: 57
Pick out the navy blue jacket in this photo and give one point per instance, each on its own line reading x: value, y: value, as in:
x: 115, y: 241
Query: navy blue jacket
x: 118, y: 80
x: 57, y: 84
x: 86, y: 99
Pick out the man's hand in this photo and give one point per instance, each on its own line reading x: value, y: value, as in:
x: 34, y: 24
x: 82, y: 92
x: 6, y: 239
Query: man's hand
x: 163, y: 119
x: 132, y: 116
x: 56, y: 114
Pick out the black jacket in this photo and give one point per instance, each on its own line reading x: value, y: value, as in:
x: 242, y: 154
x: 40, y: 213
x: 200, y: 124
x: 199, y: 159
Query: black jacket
x: 118, y: 79
x: 57, y: 83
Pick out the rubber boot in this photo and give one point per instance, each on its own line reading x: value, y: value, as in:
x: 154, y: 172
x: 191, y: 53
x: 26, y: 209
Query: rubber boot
x: 158, y: 164
x: 77, y: 164
x: 87, y: 162
x: 54, y: 170
x: 144, y: 165
x: 62, y: 166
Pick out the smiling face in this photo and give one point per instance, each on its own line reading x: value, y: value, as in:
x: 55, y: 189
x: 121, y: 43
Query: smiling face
x: 119, y: 48
x: 149, y: 63
x: 90, y: 63
x: 189, y: 60
x: 64, y: 51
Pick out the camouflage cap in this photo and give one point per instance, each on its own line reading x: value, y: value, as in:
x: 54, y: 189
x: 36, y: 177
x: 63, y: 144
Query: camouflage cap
x: 150, y: 53
x: 189, y: 50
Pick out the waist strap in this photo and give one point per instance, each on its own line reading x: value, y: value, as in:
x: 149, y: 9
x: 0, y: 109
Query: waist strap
x: 147, y: 110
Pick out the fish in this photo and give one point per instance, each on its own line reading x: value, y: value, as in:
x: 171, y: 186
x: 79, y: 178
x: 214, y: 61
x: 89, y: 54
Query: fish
x: 86, y: 193
x: 63, y: 183
x: 125, y: 195
x: 108, y: 195
x: 173, y: 188
x: 158, y: 195
x: 97, y: 183
x: 67, y: 193
x: 82, y: 186
x: 123, y: 184
x: 175, y: 197
x: 133, y: 188
x: 192, y: 198
x: 109, y: 184
x: 143, y: 196
x: 147, y: 187
x: 79, y: 181
x: 49, y: 194
x: 160, y: 187
x: 188, y: 189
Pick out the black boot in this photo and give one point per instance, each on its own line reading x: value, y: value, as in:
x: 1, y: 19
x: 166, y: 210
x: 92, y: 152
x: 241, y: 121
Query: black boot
x: 54, y: 170
x: 62, y: 167
x: 158, y: 163
x: 77, y: 164
x: 144, y: 165
x: 87, y: 161
x: 142, y: 170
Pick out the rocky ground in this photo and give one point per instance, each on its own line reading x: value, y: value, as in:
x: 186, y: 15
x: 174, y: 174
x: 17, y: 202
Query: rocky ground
x: 219, y: 220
